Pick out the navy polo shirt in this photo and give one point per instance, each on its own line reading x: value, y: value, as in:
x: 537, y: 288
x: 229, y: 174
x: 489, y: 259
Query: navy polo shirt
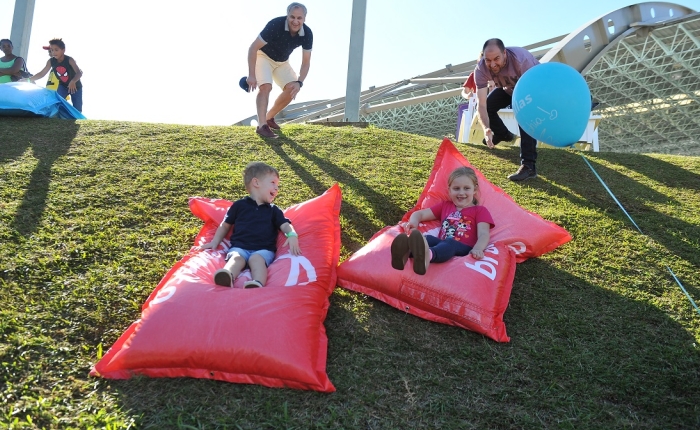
x: 280, y: 42
x: 255, y: 226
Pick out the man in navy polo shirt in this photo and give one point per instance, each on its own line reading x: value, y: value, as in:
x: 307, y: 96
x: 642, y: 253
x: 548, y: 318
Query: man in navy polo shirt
x: 268, y: 61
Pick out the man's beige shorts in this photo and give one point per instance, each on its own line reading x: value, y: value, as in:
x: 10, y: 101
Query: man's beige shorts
x: 268, y: 70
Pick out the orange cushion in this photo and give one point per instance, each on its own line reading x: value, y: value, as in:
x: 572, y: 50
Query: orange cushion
x: 468, y: 293
x: 272, y: 336
x: 526, y: 232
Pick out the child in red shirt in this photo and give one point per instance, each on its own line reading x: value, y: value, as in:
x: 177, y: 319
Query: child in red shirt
x: 465, y: 227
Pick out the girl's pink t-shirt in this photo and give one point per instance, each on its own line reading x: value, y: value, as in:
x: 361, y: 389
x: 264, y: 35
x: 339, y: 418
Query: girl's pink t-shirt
x: 461, y: 224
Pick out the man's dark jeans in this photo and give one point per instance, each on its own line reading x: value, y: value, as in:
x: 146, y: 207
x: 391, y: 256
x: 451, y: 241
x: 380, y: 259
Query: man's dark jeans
x: 499, y: 99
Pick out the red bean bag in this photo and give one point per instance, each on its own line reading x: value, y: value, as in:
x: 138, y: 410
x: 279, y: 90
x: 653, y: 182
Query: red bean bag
x: 526, y: 232
x: 465, y: 292
x: 272, y: 336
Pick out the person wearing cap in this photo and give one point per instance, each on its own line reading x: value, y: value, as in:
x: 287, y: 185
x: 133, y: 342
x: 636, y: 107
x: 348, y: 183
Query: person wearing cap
x: 52, y: 80
x: 469, y: 87
x: 268, y: 62
x: 67, y: 72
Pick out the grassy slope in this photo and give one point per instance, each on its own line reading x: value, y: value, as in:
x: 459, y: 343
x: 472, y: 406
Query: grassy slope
x: 92, y: 215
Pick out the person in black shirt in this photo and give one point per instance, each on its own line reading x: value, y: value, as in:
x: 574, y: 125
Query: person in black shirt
x: 66, y: 70
x: 256, y: 222
x: 268, y: 61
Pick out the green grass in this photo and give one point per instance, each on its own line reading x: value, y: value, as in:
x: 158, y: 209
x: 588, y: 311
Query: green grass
x: 94, y: 213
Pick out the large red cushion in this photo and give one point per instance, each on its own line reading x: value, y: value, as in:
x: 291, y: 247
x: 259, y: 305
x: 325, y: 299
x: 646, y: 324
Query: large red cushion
x: 273, y: 336
x: 465, y: 292
x: 526, y: 232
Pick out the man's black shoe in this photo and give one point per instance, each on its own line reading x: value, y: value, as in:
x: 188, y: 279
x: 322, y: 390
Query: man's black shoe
x: 498, y: 139
x: 524, y: 172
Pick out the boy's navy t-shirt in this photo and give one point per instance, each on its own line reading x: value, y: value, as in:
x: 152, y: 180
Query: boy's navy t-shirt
x: 255, y: 226
x: 280, y: 42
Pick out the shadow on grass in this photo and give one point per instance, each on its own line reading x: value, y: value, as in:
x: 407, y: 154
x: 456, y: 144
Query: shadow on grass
x: 48, y: 143
x: 388, y: 212
x: 659, y: 170
x: 637, y: 199
x: 580, y: 357
x: 566, y: 174
x: 579, y: 354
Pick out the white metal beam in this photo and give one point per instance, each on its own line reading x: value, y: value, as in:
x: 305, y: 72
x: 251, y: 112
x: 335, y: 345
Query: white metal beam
x: 357, y: 44
x: 22, y: 27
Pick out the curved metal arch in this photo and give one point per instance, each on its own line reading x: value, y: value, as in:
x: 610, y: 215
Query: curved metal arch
x: 582, y: 47
x: 647, y: 82
x: 641, y: 62
x: 639, y: 29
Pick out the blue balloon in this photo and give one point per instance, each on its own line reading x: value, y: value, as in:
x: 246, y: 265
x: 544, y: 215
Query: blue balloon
x: 552, y: 103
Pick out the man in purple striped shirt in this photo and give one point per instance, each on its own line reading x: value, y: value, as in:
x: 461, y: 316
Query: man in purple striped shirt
x: 504, y: 66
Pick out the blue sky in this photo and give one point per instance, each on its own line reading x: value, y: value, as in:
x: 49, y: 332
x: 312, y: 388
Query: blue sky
x: 156, y: 61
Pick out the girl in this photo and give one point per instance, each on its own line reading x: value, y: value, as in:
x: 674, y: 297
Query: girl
x: 465, y: 227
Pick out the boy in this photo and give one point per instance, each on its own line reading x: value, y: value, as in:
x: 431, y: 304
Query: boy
x: 256, y: 221
x: 67, y: 72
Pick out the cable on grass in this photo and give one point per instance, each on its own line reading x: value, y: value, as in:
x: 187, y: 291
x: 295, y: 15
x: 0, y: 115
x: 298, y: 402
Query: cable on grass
x: 639, y: 229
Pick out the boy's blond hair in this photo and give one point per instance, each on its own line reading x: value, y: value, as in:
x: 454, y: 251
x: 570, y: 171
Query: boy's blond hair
x: 257, y: 169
